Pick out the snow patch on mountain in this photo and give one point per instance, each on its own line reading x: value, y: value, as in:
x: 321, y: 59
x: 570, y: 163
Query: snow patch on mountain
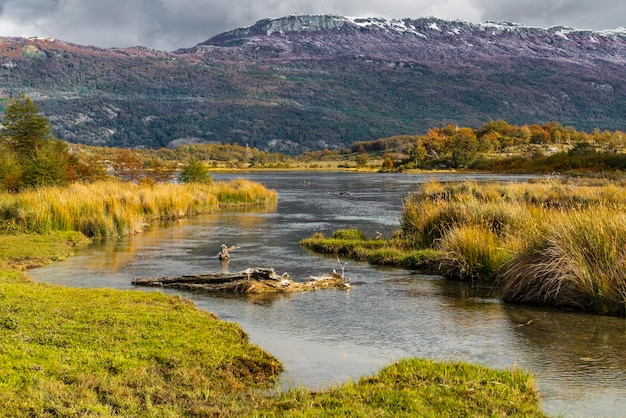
x: 424, y: 28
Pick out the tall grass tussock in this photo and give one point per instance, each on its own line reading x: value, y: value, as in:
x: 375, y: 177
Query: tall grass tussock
x: 580, y: 263
x: 560, y: 243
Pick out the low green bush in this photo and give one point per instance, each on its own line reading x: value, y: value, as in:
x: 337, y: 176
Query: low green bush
x: 348, y: 234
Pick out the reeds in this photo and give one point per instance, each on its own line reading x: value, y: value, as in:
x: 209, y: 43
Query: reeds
x: 552, y: 242
x: 113, y: 208
x: 240, y: 191
x: 473, y: 252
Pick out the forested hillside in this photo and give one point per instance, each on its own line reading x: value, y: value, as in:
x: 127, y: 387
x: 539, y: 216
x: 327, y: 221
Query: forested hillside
x: 313, y: 82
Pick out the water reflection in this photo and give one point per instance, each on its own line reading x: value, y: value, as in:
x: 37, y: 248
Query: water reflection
x: 326, y: 337
x: 582, y: 346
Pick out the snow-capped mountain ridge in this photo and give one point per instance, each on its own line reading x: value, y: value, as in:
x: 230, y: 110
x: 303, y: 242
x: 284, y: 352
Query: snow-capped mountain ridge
x: 426, y: 39
x: 419, y: 26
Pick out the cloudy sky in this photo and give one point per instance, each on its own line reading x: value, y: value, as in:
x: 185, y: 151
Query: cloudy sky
x: 172, y: 24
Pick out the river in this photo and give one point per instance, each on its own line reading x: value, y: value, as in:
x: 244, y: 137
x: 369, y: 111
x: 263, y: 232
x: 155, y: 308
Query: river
x: 327, y: 337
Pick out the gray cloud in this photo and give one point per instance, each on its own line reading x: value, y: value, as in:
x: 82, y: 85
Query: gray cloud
x: 171, y: 24
x: 28, y: 9
x: 581, y: 14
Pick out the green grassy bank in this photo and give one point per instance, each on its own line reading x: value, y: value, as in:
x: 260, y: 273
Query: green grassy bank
x: 417, y: 388
x: 555, y: 242
x: 77, y: 352
x: 101, y: 352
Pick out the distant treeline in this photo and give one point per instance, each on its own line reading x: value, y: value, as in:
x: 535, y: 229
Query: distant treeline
x: 31, y: 156
x: 232, y: 154
x: 499, y: 146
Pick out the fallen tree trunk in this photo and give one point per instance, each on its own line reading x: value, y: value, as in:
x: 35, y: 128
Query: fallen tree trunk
x: 253, y: 280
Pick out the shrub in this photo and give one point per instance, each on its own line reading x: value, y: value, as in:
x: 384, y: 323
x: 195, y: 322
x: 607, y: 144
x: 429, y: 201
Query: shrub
x: 195, y: 171
x: 33, y: 157
x: 349, y: 234
x: 10, y: 171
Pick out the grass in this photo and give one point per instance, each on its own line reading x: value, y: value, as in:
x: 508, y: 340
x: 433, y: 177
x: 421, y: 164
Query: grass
x: 23, y: 251
x: 390, y: 252
x: 552, y: 242
x: 580, y: 263
x: 414, y: 387
x: 242, y: 192
x: 473, y: 252
x: 77, y: 352
x: 113, y: 208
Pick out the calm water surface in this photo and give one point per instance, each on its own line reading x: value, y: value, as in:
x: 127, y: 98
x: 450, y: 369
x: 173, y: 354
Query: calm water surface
x: 327, y: 337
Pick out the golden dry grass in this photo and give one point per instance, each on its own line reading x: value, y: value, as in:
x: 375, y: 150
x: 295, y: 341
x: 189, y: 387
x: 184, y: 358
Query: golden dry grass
x: 554, y: 242
x: 113, y: 208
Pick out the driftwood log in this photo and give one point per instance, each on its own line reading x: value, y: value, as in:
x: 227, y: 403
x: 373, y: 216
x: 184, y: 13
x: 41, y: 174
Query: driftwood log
x: 252, y: 280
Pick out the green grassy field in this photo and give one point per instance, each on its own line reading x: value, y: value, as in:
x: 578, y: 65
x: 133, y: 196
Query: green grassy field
x: 77, y: 352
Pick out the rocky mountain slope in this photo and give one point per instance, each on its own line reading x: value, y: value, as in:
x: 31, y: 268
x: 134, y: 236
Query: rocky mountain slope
x: 311, y: 82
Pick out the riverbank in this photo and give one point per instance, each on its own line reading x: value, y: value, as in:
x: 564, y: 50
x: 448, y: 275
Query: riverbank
x: 553, y: 242
x: 416, y: 388
x: 103, y: 352
x: 114, y: 208
x: 100, y: 352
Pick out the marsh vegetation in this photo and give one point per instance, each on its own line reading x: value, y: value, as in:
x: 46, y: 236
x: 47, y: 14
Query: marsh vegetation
x: 114, y: 208
x: 556, y: 242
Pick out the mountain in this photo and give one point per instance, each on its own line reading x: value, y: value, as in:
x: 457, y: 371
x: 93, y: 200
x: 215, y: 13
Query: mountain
x: 311, y: 82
